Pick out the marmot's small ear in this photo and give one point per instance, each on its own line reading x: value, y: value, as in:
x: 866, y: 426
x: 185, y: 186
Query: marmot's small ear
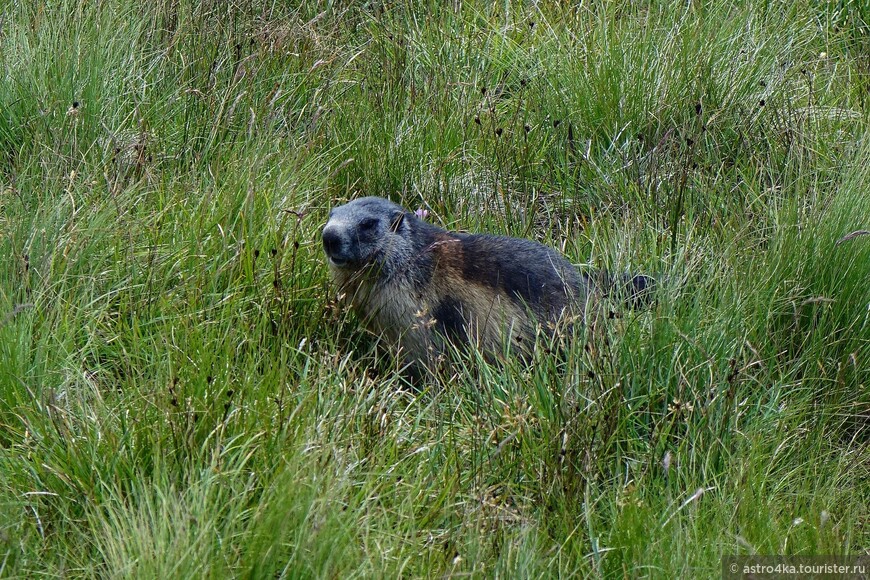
x: 397, y: 220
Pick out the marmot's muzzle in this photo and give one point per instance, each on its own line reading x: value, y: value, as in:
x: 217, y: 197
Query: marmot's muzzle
x: 335, y: 247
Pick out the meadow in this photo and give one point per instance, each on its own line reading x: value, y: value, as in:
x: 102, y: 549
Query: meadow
x: 182, y: 396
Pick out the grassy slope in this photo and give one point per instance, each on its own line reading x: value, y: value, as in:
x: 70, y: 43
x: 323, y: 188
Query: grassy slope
x: 180, y: 395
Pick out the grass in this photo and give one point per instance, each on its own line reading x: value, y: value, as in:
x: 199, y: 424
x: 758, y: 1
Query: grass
x: 181, y: 396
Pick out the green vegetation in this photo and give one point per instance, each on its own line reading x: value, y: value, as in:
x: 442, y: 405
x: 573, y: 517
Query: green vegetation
x: 181, y: 396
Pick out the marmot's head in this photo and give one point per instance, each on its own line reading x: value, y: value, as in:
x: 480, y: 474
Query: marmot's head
x: 361, y: 232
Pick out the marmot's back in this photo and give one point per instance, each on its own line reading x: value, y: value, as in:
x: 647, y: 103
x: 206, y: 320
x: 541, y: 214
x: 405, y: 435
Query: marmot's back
x: 419, y: 285
x: 528, y: 272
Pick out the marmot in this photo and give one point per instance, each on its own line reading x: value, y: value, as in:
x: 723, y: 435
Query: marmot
x: 418, y: 285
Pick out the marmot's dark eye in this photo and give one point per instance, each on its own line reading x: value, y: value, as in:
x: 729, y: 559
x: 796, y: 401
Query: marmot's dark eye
x: 368, y: 224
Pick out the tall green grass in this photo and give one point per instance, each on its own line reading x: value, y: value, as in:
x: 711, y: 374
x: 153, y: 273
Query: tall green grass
x: 182, y: 396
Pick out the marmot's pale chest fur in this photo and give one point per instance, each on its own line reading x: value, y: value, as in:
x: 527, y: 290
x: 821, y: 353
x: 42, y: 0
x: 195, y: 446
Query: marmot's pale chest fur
x: 418, y: 285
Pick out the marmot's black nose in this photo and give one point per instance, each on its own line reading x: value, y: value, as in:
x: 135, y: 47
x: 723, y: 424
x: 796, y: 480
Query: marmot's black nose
x: 332, y: 245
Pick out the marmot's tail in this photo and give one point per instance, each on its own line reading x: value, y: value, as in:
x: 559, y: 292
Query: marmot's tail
x: 636, y: 290
x: 639, y: 289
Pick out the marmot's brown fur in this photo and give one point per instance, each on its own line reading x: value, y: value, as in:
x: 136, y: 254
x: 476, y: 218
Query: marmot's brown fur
x: 418, y: 285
